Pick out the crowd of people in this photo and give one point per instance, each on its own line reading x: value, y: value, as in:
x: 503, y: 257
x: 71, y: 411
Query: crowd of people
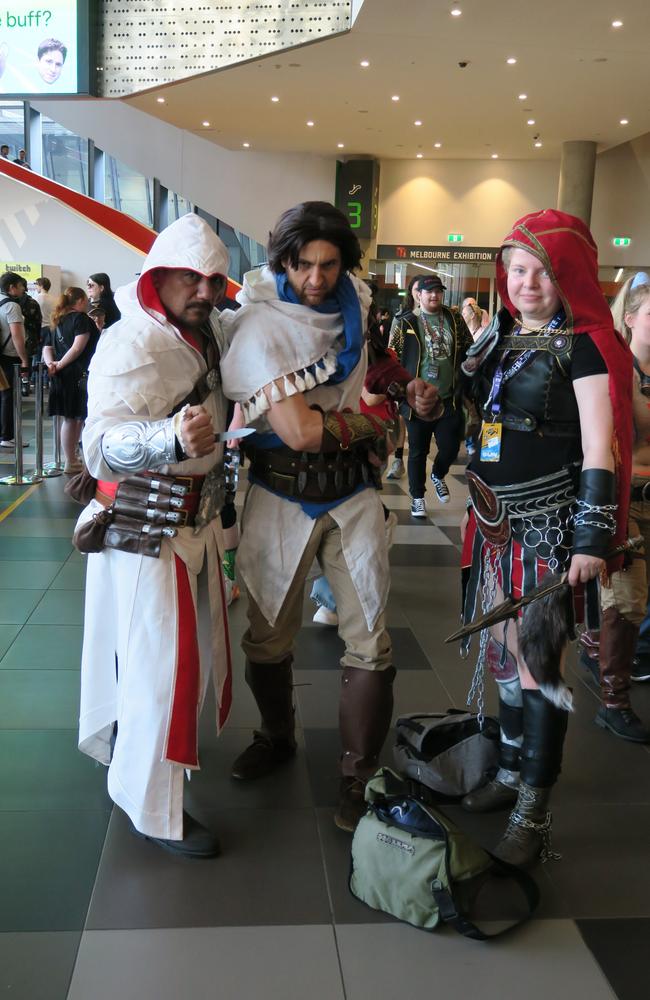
x: 547, y: 390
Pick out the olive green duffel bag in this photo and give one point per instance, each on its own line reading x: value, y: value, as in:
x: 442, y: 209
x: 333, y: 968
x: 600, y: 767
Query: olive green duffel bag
x: 412, y: 862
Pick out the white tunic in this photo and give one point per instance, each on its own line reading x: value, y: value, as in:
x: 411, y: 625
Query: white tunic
x: 142, y: 369
x: 268, y: 341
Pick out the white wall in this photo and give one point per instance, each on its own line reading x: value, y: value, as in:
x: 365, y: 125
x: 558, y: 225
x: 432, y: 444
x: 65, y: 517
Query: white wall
x: 622, y: 203
x: 247, y: 190
x: 35, y: 228
x: 422, y: 201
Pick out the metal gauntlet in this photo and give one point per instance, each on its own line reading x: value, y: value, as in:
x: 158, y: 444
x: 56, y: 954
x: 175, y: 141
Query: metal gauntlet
x: 343, y: 430
x: 139, y: 445
x: 595, y: 517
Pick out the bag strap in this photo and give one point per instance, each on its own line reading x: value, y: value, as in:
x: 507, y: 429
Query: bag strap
x: 450, y: 913
x: 4, y: 301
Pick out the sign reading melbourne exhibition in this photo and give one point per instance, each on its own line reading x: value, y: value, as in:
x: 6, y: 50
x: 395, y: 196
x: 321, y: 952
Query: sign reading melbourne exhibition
x: 455, y: 255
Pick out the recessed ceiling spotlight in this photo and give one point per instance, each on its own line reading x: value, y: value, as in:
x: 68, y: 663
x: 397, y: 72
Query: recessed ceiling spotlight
x: 246, y: 145
x: 624, y: 121
x: 511, y: 61
x: 538, y: 145
x: 531, y: 121
x: 418, y: 156
x: 523, y: 97
x: 417, y: 122
x: 341, y: 145
x: 161, y: 100
x: 275, y: 99
x: 364, y: 63
x: 617, y: 24
x: 495, y: 156
x: 205, y: 124
x: 455, y: 11
x: 310, y: 124
x: 437, y: 145
x: 395, y: 97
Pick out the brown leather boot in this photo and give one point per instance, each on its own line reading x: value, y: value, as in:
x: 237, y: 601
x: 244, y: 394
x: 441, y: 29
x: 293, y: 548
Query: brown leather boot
x: 275, y: 742
x: 528, y: 834
x: 365, y: 712
x: 617, y: 644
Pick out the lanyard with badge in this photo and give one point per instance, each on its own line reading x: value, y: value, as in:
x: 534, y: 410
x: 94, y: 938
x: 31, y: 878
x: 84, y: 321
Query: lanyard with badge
x: 435, y: 348
x: 492, y: 430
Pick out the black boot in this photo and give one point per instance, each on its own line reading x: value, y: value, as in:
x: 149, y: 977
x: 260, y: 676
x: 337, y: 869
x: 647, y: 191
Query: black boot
x: 365, y: 712
x: 618, y: 639
x: 502, y: 790
x: 529, y: 827
x: 197, y: 843
x: 275, y: 742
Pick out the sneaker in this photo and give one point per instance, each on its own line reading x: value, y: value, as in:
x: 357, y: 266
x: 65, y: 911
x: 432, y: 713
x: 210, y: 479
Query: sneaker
x: 440, y: 486
x: 640, y: 670
x: 396, y: 470
x: 10, y: 443
x: 325, y: 617
x: 418, y: 508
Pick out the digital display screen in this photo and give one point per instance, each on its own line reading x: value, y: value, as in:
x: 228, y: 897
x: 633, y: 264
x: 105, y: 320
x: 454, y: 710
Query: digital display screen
x: 43, y: 50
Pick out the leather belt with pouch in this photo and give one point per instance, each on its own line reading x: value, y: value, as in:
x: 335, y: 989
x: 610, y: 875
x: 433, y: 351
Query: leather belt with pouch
x: 489, y: 511
x: 311, y: 475
x: 145, y: 509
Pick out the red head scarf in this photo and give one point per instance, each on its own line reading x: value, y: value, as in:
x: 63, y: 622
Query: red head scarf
x: 566, y: 248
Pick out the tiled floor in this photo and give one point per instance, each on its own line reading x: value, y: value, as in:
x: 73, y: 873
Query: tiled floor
x: 88, y: 912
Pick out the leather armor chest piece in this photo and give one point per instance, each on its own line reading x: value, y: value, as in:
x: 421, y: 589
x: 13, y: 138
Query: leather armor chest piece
x: 538, y: 398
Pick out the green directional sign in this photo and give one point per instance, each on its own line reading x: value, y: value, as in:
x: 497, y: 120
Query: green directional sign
x: 621, y: 241
x: 455, y: 238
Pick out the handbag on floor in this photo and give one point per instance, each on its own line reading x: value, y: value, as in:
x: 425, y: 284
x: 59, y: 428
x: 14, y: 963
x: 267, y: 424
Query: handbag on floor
x: 410, y: 861
x: 450, y: 753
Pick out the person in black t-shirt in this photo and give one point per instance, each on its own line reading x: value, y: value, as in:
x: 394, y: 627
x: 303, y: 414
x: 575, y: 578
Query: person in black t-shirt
x: 71, y: 344
x: 551, y: 382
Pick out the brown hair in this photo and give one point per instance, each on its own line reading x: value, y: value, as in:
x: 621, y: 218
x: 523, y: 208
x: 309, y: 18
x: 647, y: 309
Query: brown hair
x: 65, y: 303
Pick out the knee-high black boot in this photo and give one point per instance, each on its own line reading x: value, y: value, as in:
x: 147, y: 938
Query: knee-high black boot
x: 528, y: 832
x: 275, y: 741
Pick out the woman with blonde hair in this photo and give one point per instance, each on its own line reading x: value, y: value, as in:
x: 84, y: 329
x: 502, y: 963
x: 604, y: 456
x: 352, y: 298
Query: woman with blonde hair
x: 624, y: 600
x: 71, y: 344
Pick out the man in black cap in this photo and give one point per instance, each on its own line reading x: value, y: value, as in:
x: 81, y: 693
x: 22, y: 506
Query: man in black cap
x: 432, y: 345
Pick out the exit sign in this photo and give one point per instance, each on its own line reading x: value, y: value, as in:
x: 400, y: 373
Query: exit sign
x: 455, y: 238
x: 621, y: 241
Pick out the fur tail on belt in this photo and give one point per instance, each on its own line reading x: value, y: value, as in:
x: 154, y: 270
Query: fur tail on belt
x: 544, y: 631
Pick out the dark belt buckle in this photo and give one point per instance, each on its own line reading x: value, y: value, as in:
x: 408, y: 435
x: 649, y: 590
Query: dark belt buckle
x: 282, y: 484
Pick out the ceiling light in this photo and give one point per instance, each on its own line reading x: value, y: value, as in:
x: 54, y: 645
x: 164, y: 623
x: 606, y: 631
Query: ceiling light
x: 523, y: 97
x: 418, y: 156
x: 341, y: 145
x: 418, y: 122
x: 624, y: 121
x: 495, y: 156
x: 531, y: 121
x: 617, y: 24
x: 538, y: 145
x: 161, y: 100
x: 511, y: 61
x: 455, y: 11
x: 437, y: 145
x: 310, y: 124
x: 395, y: 97
x: 205, y: 124
x: 364, y: 63
x: 275, y: 99
x: 246, y: 145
